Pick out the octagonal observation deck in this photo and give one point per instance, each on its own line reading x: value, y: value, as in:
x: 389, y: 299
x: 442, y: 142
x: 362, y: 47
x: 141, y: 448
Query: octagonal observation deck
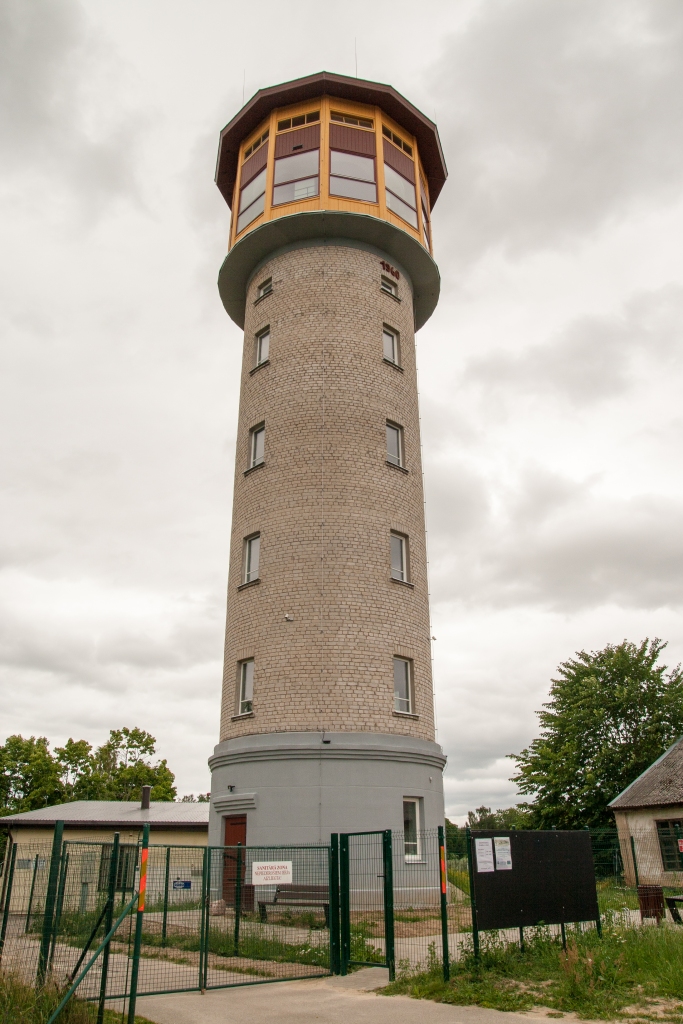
x: 330, y: 157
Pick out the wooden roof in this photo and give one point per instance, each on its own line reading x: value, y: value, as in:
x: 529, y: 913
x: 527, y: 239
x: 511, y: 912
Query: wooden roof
x: 660, y: 785
x: 354, y: 89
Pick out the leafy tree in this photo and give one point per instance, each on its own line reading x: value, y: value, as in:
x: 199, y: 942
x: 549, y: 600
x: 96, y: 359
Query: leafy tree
x: 611, y: 713
x: 503, y: 818
x: 31, y: 776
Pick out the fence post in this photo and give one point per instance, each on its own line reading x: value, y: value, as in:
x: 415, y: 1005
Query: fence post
x: 335, y: 958
x: 238, y: 901
x: 635, y: 862
x: 8, y: 897
x: 50, y: 902
x: 63, y: 868
x: 444, y: 906
x: 207, y: 920
x: 168, y: 878
x: 344, y: 903
x: 108, y: 921
x: 389, y: 902
x: 30, y: 895
x: 473, y: 899
x: 142, y: 890
x: 202, y: 917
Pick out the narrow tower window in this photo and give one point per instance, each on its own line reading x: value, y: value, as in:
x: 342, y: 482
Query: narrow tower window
x: 257, y: 445
x: 403, y: 702
x: 265, y: 288
x: 388, y: 286
x: 399, y: 557
x: 394, y: 445
x: 411, y: 827
x: 390, y: 346
x: 262, y: 346
x: 252, y: 552
x: 245, y: 696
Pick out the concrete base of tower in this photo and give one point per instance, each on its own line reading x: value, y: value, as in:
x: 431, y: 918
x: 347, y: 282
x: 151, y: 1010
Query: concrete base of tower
x: 298, y: 787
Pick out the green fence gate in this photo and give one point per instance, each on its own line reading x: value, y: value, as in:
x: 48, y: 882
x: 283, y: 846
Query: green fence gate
x: 366, y: 892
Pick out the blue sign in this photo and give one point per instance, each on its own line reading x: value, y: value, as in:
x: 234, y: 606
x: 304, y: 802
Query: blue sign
x: 178, y: 884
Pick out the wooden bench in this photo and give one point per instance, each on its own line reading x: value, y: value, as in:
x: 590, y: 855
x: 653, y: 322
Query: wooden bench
x: 297, y: 896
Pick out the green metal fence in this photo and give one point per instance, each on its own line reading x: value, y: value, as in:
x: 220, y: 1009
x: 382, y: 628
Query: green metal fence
x: 219, y: 917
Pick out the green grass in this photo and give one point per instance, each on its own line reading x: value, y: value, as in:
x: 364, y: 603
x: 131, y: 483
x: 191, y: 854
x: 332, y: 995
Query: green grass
x: 21, y: 1004
x: 251, y: 946
x: 595, y: 978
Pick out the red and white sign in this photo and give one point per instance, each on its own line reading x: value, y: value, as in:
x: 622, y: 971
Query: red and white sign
x: 271, y: 872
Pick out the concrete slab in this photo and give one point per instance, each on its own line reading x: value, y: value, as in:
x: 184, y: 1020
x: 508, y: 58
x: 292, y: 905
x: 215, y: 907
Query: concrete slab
x: 331, y: 1000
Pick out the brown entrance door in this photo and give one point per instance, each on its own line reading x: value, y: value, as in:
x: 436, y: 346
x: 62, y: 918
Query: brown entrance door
x: 236, y: 832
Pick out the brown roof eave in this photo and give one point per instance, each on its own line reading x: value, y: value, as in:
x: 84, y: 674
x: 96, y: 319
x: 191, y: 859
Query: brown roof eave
x: 356, y: 89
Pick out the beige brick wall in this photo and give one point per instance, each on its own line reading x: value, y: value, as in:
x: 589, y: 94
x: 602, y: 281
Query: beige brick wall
x: 325, y: 501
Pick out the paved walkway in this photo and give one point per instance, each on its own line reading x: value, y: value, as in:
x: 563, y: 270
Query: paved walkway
x: 331, y: 1000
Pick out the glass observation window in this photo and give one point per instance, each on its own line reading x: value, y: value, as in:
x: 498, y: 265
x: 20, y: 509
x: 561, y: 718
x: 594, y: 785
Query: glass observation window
x: 252, y: 200
x: 352, y: 176
x: 246, y: 697
x: 296, y: 122
x: 296, y: 177
x: 400, y: 195
x: 360, y: 122
x: 402, y: 701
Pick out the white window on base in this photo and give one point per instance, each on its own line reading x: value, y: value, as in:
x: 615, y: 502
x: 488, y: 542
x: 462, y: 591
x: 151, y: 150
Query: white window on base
x: 399, y: 557
x: 246, y: 687
x: 394, y: 444
x: 252, y: 553
x: 390, y: 347
x: 411, y: 828
x: 262, y: 346
x: 403, y: 688
x: 257, y: 444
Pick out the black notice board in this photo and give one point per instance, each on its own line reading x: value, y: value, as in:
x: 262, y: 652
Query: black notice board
x: 551, y: 880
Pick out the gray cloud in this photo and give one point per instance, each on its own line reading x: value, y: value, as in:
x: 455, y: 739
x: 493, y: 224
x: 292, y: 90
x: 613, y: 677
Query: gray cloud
x: 594, y: 357
x: 47, y: 55
x: 558, y: 118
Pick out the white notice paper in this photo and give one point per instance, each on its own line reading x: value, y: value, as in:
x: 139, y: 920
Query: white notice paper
x: 503, y: 853
x: 271, y: 872
x: 484, y: 850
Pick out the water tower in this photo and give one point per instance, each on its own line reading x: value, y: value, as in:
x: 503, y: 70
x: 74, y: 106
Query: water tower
x: 327, y: 717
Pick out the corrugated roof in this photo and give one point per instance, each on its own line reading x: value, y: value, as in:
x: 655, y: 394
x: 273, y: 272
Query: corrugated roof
x: 122, y: 813
x: 660, y: 785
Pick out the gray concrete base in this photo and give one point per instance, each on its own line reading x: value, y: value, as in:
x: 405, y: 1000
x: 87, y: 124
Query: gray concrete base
x: 298, y: 787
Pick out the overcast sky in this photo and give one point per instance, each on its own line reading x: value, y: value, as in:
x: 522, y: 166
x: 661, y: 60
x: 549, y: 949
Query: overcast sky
x: 550, y: 375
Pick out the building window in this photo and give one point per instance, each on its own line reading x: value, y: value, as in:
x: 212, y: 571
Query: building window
x: 400, y: 195
x: 397, y: 140
x: 360, y: 122
x: 296, y: 122
x: 352, y: 176
x: 252, y: 200
x: 390, y: 344
x: 411, y: 828
x: 399, y: 557
x: 403, y: 702
x: 262, y: 346
x: 296, y: 177
x: 257, y: 442
x: 394, y: 446
x: 256, y: 144
x: 425, y: 213
x: 670, y: 834
x: 245, y: 697
x: 388, y: 286
x: 265, y: 288
x: 252, y: 551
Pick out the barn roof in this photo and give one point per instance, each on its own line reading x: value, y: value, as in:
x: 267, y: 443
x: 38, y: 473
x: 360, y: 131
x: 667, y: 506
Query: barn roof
x: 660, y: 785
